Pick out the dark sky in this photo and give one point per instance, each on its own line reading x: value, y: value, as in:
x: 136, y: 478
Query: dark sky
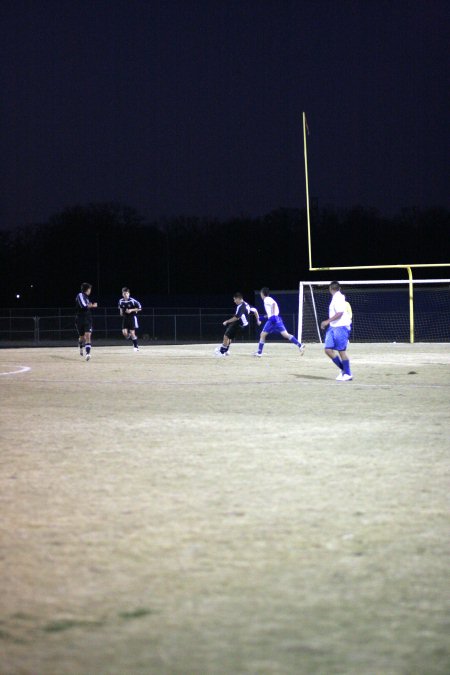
x: 194, y: 106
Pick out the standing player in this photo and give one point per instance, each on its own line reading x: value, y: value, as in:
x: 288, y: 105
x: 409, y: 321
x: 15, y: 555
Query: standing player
x: 338, y: 330
x: 83, y: 320
x: 129, y: 308
x: 274, y: 323
x: 237, y: 323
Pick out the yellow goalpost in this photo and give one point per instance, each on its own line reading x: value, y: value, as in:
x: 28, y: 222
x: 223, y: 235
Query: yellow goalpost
x: 408, y: 267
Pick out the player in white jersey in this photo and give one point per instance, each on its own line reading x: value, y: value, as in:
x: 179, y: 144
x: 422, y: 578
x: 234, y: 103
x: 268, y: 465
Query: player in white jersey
x: 274, y: 323
x: 338, y: 327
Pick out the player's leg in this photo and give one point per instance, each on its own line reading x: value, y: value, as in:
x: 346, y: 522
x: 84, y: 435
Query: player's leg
x: 228, y: 337
x: 80, y: 331
x: 87, y: 344
x: 330, y: 350
x: 293, y: 339
x: 346, y: 372
x: 126, y: 326
x: 340, y: 342
x: 81, y: 344
x: 341, y: 335
x: 262, y: 340
x: 134, y: 339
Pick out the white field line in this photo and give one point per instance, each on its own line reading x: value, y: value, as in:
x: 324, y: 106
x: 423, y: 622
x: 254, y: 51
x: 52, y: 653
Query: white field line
x: 22, y: 369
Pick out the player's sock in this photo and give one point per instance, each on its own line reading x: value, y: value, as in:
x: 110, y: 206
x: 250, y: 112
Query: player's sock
x: 294, y: 340
x: 338, y: 362
x: 135, y: 344
x: 88, y: 348
x: 260, y: 347
x: 346, y: 367
x: 225, y: 349
x: 81, y: 345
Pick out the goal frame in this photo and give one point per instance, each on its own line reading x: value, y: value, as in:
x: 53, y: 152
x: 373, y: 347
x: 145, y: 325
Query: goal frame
x: 408, y: 267
x: 372, y: 282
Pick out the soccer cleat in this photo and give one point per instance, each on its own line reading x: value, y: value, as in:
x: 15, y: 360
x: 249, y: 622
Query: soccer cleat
x: 340, y: 377
x: 346, y: 378
x: 218, y: 354
x: 88, y: 357
x: 136, y: 349
x: 301, y: 348
x: 81, y: 353
x: 258, y: 354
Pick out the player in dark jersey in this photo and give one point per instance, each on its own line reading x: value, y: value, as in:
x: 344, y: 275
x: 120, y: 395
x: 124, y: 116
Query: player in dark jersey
x: 236, y: 324
x: 83, y: 319
x: 129, y: 308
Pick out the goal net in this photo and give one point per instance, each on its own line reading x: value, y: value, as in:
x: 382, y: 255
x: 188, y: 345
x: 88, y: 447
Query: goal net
x: 382, y: 311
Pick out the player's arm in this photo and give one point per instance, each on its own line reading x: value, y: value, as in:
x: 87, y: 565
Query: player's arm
x: 230, y: 320
x: 327, y: 322
x: 256, y: 313
x: 82, y: 301
x: 136, y: 308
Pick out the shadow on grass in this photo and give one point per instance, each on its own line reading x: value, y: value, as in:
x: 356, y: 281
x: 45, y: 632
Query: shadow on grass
x: 67, y: 624
x: 301, y: 376
x: 136, y: 613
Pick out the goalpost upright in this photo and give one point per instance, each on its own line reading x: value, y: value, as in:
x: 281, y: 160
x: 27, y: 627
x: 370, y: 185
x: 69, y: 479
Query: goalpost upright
x: 407, y: 267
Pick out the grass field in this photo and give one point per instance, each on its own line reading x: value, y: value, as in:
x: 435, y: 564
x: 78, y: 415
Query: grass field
x: 168, y: 512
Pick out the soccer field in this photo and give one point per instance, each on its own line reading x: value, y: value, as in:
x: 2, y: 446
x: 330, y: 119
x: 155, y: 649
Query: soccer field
x: 169, y: 512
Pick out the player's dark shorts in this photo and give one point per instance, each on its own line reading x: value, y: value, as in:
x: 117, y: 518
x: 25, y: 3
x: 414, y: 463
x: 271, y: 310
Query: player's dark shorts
x: 129, y: 322
x: 83, y: 323
x: 233, y: 329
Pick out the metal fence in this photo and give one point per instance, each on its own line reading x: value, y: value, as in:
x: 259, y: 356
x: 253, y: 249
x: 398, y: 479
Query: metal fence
x: 165, y: 325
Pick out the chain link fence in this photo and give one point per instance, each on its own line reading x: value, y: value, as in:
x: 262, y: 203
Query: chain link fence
x: 41, y: 326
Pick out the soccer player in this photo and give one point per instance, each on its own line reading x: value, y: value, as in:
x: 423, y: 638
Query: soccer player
x: 129, y: 308
x: 274, y: 324
x: 338, y: 327
x: 237, y: 323
x: 83, y: 320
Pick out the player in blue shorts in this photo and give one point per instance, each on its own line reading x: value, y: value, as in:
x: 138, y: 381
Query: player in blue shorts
x: 338, y: 327
x: 274, y: 323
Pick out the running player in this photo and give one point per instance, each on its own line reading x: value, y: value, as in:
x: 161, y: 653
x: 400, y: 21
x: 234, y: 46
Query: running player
x: 83, y: 320
x: 236, y: 324
x: 129, y: 308
x: 274, y: 323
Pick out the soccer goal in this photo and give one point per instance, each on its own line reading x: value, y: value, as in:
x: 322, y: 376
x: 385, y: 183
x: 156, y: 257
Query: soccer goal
x: 383, y: 311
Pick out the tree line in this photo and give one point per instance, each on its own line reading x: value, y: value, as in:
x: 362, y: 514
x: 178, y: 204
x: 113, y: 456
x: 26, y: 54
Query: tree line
x: 111, y: 245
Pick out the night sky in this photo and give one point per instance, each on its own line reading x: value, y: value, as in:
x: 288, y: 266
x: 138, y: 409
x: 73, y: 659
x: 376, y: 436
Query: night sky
x: 194, y: 106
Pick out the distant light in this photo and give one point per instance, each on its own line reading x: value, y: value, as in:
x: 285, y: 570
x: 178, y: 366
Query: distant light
x: 31, y: 285
x: 17, y: 295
